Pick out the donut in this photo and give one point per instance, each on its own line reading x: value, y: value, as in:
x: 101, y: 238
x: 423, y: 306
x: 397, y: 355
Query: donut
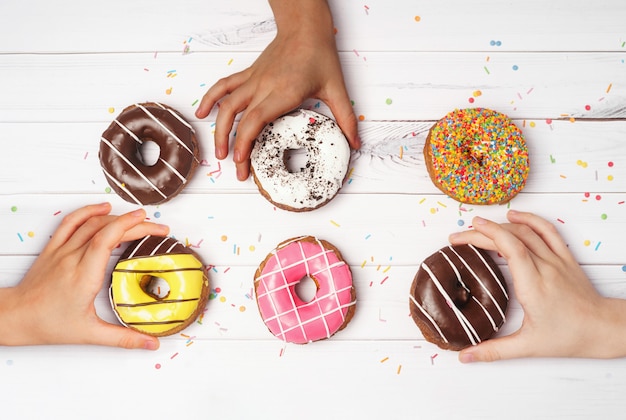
x: 477, y: 156
x: 122, y: 162
x: 285, y: 314
x: 158, y: 286
x: 328, y: 156
x: 458, y: 297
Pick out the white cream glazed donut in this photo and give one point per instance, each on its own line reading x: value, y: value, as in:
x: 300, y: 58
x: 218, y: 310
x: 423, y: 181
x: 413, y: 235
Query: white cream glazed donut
x: 328, y: 156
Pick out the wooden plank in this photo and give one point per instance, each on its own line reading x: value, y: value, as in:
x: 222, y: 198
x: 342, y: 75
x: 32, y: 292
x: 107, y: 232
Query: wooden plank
x: 372, y: 26
x: 387, y: 86
x: 245, y: 379
x: 382, y: 311
x: 62, y: 157
x: 386, y: 229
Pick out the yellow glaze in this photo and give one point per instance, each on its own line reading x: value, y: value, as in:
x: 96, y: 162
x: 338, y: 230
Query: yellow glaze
x: 185, y: 277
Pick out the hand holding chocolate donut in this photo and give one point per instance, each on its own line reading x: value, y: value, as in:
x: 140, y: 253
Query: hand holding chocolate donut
x: 564, y: 316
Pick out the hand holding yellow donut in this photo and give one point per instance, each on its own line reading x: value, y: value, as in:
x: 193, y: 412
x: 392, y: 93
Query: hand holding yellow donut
x: 54, y: 302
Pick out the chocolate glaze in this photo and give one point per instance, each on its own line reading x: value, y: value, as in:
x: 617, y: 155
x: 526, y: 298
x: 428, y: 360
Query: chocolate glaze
x: 154, y: 246
x: 122, y: 165
x: 458, y: 297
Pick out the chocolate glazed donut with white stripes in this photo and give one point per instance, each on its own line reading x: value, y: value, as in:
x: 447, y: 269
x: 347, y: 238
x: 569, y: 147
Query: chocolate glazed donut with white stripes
x: 124, y: 166
x: 458, y: 297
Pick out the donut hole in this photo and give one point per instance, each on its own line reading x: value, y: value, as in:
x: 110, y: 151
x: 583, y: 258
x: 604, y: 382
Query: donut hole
x: 148, y: 153
x: 155, y: 287
x: 296, y: 160
x: 306, y: 289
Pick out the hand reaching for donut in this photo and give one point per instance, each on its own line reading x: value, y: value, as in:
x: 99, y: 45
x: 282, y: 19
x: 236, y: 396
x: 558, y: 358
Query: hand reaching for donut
x: 54, y: 302
x: 564, y: 316
x: 300, y: 63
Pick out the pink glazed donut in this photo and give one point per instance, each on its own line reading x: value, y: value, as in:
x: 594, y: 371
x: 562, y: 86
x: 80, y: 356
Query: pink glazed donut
x: 285, y: 314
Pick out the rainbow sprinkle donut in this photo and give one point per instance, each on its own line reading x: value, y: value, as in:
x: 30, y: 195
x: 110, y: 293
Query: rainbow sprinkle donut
x: 477, y: 156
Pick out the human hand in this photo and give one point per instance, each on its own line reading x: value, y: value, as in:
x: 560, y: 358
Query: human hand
x: 54, y: 302
x: 300, y: 63
x: 564, y: 316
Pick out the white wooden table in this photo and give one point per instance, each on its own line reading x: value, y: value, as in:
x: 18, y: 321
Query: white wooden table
x: 557, y: 68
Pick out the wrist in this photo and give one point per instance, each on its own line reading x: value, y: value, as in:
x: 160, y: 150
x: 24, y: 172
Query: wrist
x: 302, y: 17
x: 11, y: 316
x: 611, y: 342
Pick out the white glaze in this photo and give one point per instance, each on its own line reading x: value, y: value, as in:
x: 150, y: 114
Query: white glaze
x: 328, y: 157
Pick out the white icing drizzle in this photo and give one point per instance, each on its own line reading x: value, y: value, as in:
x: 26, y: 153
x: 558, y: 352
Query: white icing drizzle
x: 480, y: 282
x: 155, y: 119
x: 156, y: 248
x: 171, y: 168
x: 430, y: 318
x: 463, y: 321
x: 127, y: 130
x: 467, y: 326
x: 497, y: 279
x: 175, y: 115
x: 132, y: 254
x: 129, y: 163
x: 333, y: 292
x: 122, y: 187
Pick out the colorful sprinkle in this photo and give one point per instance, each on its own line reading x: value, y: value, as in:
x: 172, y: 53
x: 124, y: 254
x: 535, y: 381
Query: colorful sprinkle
x: 498, y: 163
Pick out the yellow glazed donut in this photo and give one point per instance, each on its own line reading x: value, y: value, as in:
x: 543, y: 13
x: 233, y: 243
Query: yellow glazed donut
x: 158, y: 286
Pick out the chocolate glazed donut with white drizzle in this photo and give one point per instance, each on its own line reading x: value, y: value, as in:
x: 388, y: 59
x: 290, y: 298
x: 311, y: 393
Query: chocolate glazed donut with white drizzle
x: 123, y: 164
x: 458, y: 297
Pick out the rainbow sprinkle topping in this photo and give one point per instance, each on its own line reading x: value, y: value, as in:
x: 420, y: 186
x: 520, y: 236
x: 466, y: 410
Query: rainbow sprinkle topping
x: 478, y: 156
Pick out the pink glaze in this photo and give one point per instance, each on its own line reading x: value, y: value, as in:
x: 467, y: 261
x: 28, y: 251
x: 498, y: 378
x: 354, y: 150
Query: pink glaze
x: 286, y: 315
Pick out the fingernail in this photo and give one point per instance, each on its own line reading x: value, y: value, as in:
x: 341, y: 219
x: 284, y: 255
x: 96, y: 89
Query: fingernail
x: 479, y: 220
x: 138, y: 213
x: 237, y: 156
x: 163, y: 228
x: 219, y: 155
x: 466, y: 358
x: 150, y: 345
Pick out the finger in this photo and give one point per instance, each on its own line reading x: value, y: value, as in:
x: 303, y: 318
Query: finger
x: 94, y: 224
x: 509, y: 347
x: 472, y: 237
x: 229, y: 108
x: 99, y: 250
x: 216, y: 92
x: 117, y: 336
x: 73, y: 221
x: 544, y: 229
x: 519, y: 257
x: 342, y: 110
x: 253, y: 121
x: 243, y: 170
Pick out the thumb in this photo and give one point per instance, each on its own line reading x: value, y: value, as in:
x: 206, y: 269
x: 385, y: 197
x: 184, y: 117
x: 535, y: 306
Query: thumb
x: 342, y: 110
x: 509, y: 347
x: 118, y: 336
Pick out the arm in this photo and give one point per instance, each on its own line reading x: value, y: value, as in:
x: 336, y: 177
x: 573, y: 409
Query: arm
x: 564, y: 316
x: 54, y: 302
x: 300, y: 63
